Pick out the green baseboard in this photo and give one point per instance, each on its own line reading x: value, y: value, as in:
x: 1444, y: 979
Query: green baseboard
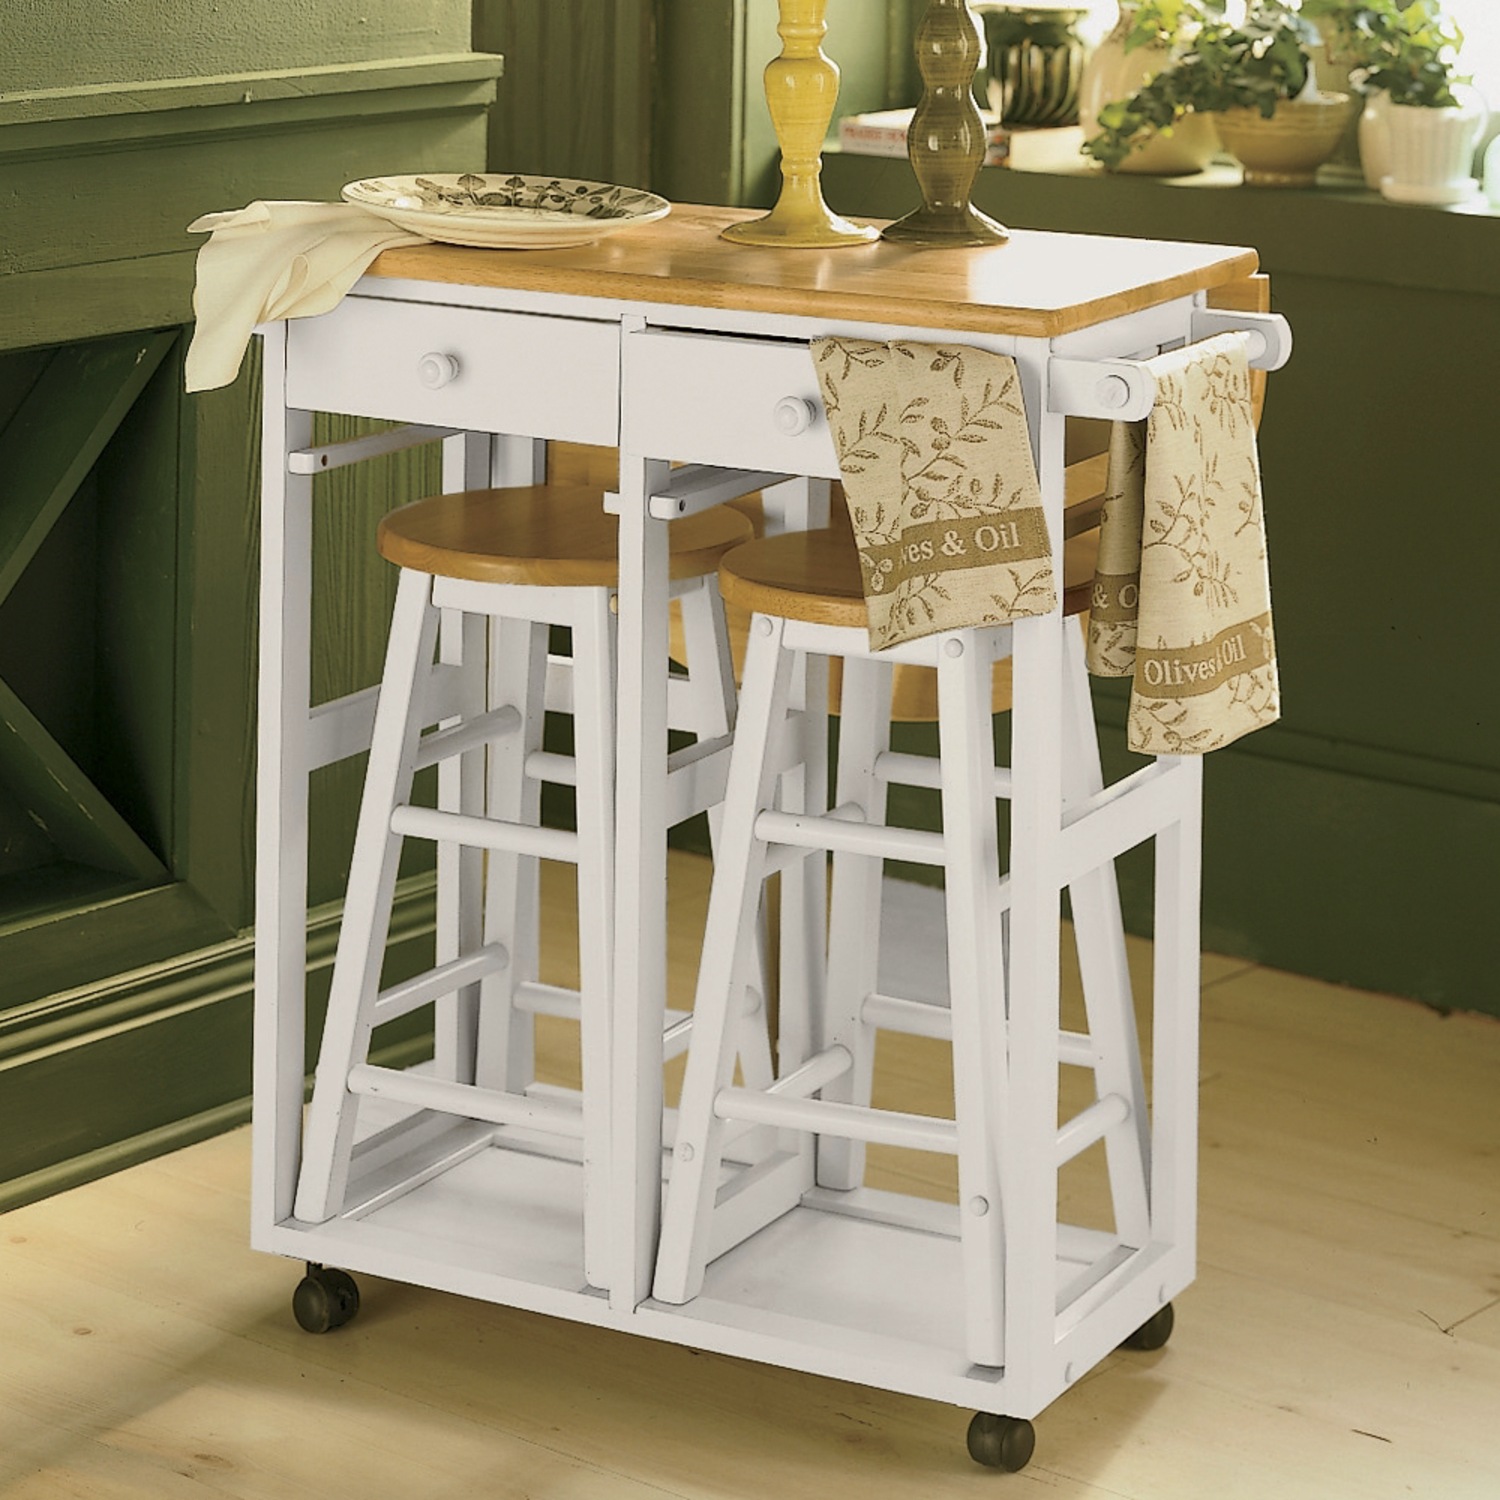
x: 158, y: 1058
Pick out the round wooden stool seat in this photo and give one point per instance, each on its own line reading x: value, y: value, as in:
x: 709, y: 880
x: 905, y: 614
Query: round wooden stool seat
x: 547, y: 534
x: 815, y: 576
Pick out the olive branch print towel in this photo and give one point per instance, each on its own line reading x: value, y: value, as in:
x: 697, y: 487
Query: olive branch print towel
x: 1182, y: 596
x: 936, y: 461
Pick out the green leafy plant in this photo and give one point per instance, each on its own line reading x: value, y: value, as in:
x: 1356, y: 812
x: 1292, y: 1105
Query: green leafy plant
x: 1168, y: 22
x: 1254, y: 65
x: 1407, y: 50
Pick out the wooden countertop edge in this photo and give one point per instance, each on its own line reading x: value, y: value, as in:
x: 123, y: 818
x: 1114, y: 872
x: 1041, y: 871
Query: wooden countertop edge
x: 546, y: 271
x: 462, y: 269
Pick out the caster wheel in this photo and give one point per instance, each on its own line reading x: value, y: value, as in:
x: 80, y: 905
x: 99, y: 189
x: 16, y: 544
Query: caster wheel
x: 1001, y: 1442
x: 1154, y: 1332
x: 325, y: 1299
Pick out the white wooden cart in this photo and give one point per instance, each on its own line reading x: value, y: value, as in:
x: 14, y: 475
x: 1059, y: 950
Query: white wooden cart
x: 679, y: 347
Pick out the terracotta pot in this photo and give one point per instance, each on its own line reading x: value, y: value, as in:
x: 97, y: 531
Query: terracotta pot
x: 1287, y: 149
x: 1112, y: 74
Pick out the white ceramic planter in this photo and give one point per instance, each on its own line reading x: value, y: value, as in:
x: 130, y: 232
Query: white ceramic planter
x: 1431, y: 152
x: 1374, y: 139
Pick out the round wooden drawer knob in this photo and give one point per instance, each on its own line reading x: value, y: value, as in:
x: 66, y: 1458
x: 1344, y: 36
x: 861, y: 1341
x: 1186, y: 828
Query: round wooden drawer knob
x: 793, y: 414
x: 437, y: 370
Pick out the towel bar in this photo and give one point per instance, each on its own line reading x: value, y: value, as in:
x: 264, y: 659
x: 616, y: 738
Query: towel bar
x: 1123, y: 390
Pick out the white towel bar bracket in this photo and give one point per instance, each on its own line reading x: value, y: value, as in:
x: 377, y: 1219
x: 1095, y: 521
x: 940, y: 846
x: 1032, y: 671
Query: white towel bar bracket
x: 1124, y: 390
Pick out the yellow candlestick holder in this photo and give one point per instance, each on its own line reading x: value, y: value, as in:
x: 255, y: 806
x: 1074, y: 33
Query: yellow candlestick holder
x: 802, y: 86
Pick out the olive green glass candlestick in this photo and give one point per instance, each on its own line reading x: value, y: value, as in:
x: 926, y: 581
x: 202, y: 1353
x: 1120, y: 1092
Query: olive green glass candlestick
x: 946, y: 141
x: 802, y: 86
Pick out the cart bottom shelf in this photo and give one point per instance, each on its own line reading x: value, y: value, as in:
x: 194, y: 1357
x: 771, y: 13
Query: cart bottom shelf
x: 832, y: 1288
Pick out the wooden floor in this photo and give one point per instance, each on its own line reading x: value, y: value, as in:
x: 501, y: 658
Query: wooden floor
x: 1342, y: 1340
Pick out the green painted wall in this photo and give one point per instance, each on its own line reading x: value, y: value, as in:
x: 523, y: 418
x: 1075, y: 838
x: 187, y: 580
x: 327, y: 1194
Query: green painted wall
x: 667, y: 93
x: 713, y: 139
x: 577, y: 100
x: 73, y: 44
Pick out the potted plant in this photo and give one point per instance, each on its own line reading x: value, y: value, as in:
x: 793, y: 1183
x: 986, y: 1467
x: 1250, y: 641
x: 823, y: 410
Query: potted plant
x: 1139, y: 47
x: 1421, y: 123
x: 1257, y: 80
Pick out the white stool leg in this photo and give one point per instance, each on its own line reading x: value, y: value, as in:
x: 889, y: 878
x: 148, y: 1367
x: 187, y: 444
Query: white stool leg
x: 1175, y: 1005
x: 711, y: 710
x: 460, y: 869
x: 593, y: 757
x: 733, y: 904
x: 976, y: 982
x: 854, y: 910
x: 1099, y: 935
x: 518, y: 678
x: 329, y: 1134
x: 803, y: 924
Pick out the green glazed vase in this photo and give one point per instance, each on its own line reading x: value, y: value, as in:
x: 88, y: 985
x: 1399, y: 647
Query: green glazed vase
x: 946, y: 141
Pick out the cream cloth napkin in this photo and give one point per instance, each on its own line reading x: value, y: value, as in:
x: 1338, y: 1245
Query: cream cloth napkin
x: 270, y: 261
x: 1182, y: 593
x: 936, y: 461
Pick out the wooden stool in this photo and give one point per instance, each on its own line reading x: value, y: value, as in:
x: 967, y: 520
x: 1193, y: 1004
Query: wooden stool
x: 804, y: 595
x: 524, y: 560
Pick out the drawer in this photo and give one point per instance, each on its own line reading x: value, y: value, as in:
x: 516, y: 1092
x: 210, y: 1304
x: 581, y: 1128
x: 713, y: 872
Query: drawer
x: 739, y: 402
x: 459, y: 367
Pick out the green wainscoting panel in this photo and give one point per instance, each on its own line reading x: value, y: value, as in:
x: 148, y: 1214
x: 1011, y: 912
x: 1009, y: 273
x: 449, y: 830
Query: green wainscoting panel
x: 70, y: 810
x: 124, y: 1013
x: 1358, y: 840
x: 55, y: 434
x: 111, y: 177
x: 150, y: 1059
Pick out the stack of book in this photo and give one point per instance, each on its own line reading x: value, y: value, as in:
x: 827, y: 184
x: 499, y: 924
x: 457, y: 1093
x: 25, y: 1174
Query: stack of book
x: 883, y: 133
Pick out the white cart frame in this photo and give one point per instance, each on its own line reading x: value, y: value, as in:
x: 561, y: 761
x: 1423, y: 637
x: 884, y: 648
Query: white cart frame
x: 700, y: 383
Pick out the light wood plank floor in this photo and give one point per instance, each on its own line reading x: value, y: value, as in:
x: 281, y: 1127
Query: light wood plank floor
x: 1342, y: 1340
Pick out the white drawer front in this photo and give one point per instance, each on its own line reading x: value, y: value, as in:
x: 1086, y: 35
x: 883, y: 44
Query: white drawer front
x: 459, y: 367
x: 740, y: 402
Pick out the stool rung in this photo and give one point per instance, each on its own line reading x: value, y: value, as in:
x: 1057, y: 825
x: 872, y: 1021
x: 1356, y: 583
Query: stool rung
x: 548, y: 765
x: 924, y: 770
x: 470, y: 735
x: 910, y: 1017
x: 839, y: 832
x: 553, y: 1000
x: 1121, y: 816
x: 696, y: 777
x: 884, y: 1127
x: 1091, y: 1125
x: 786, y: 1105
x: 434, y: 984
x: 485, y: 833
x: 1075, y: 1049
x: 341, y: 727
x: 466, y: 1101
x: 677, y: 1035
x: 546, y: 999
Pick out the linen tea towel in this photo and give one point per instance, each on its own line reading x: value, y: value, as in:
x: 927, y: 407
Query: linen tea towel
x: 274, y: 260
x: 936, y: 461
x: 1181, y: 600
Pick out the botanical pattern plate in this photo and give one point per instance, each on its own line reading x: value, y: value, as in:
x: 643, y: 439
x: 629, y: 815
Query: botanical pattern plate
x: 499, y: 211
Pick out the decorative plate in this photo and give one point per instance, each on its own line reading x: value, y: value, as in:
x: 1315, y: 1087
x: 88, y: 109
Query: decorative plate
x: 496, y: 211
